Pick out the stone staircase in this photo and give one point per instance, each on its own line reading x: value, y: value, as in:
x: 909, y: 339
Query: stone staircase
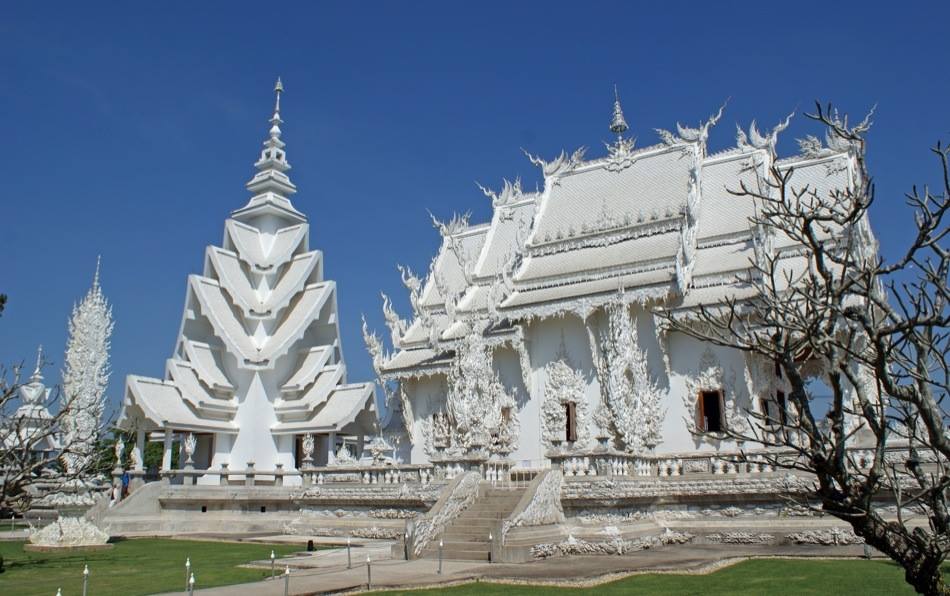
x: 466, y: 538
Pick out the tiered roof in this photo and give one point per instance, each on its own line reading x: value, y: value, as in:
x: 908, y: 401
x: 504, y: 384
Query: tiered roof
x: 658, y: 224
x: 261, y: 305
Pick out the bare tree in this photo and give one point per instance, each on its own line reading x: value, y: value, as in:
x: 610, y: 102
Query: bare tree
x: 827, y: 306
x: 31, y: 441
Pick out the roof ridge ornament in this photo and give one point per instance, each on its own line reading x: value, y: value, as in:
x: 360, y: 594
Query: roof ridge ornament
x: 685, y: 134
x: 618, y: 125
x: 619, y: 152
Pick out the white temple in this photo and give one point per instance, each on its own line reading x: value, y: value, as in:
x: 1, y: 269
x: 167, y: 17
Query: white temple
x: 534, y: 336
x: 258, y: 368
x: 31, y: 425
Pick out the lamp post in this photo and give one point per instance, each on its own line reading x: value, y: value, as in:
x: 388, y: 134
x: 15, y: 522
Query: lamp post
x: 349, y: 558
x: 287, y: 580
x: 187, y: 571
x: 441, y: 544
x: 85, y: 580
x: 272, y: 558
x: 369, y: 573
x: 489, y: 546
x: 191, y: 585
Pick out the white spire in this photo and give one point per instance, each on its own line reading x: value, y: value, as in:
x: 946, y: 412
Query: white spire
x: 95, y: 278
x: 272, y: 165
x: 37, y: 373
x: 618, y: 125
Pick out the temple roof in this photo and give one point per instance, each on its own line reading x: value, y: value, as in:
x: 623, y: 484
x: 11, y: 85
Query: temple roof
x: 659, y: 224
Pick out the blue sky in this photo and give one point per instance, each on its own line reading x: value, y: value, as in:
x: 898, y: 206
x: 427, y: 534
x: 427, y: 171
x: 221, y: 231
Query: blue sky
x: 130, y: 128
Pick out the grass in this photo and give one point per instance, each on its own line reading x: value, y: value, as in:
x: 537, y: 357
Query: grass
x: 758, y: 577
x: 139, y: 566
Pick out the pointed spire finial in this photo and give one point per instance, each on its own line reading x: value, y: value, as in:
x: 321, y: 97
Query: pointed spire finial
x: 618, y: 125
x: 37, y: 375
x: 275, y: 119
x: 272, y: 166
x: 95, y: 278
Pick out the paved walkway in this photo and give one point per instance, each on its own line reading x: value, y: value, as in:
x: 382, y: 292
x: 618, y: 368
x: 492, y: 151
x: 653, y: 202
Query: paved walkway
x: 566, y: 570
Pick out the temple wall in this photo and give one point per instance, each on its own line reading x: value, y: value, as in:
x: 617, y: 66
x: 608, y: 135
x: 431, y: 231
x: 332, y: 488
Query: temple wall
x: 427, y: 395
x: 508, y: 366
x: 685, y: 355
x: 548, y: 340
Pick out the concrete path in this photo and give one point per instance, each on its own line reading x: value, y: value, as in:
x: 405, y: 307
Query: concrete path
x: 566, y: 570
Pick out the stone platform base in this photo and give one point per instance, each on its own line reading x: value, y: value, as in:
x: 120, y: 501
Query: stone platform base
x: 42, y: 548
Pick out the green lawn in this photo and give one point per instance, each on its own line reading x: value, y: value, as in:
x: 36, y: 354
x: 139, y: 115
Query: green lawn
x: 758, y: 578
x: 140, y: 566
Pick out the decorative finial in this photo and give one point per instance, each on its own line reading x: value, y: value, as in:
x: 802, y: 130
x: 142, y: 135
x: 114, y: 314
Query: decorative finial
x: 37, y: 373
x: 275, y: 119
x: 272, y: 166
x: 618, y: 125
x: 95, y: 278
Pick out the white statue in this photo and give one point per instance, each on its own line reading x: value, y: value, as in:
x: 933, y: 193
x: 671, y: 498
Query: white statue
x: 119, y: 451
x: 190, y: 443
x: 307, y: 445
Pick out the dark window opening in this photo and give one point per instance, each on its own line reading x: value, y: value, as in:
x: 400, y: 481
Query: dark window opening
x: 780, y: 402
x: 298, y: 451
x: 570, y: 421
x: 765, y: 409
x: 710, y: 411
x: 204, y: 509
x: 263, y: 509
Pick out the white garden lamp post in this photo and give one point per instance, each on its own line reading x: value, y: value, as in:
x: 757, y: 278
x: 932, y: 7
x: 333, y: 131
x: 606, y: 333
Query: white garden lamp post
x: 85, y: 581
x: 272, y: 558
x: 187, y: 571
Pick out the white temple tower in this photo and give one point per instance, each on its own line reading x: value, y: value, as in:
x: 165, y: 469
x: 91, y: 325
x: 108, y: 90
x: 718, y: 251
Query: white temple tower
x: 258, y: 363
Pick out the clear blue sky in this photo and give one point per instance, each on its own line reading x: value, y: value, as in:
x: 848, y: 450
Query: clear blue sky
x: 129, y: 131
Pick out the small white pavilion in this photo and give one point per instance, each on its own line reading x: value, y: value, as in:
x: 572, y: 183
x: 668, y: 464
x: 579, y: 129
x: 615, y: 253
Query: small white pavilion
x: 31, y: 426
x: 257, y: 380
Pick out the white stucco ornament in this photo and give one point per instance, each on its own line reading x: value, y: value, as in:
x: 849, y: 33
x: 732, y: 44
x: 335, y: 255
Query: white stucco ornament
x: 307, y: 444
x: 480, y: 411
x: 85, y: 377
x: 190, y: 443
x: 630, y: 390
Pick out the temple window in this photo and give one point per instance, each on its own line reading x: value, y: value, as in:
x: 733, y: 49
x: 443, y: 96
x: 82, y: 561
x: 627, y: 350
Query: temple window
x: 710, y: 411
x: 765, y: 409
x: 570, y: 422
x: 780, y: 403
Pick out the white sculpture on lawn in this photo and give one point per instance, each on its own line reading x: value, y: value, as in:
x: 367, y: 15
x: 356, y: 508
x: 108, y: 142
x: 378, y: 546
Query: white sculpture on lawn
x: 85, y: 378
